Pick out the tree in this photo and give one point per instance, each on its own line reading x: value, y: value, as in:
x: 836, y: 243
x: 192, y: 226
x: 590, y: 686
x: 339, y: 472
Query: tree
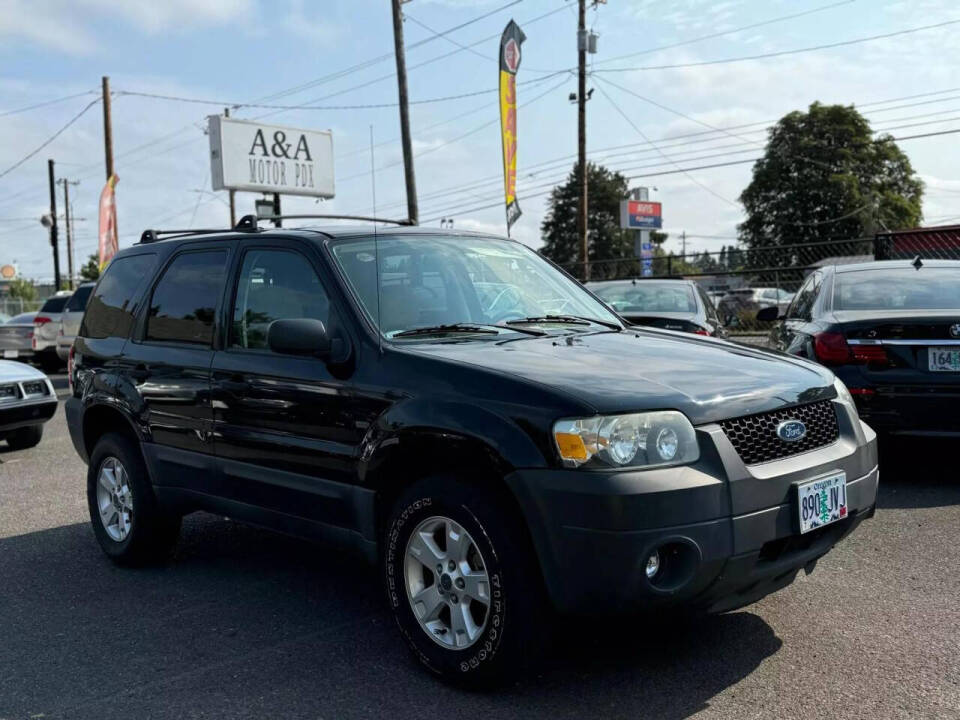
x: 824, y: 177
x: 605, y: 239
x: 22, y: 289
x: 90, y: 271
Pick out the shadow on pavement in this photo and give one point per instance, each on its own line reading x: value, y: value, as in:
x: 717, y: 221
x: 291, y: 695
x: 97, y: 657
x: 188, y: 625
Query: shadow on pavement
x: 918, y: 472
x: 245, y: 623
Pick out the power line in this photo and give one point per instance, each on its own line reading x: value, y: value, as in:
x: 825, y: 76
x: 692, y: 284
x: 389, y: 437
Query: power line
x: 780, y: 53
x: 46, y: 103
x: 49, y: 139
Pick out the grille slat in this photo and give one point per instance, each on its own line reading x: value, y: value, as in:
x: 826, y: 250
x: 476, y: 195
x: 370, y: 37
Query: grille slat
x: 755, y: 439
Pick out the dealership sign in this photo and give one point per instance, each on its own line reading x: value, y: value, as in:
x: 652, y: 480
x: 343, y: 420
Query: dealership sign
x: 250, y: 156
x: 640, y: 215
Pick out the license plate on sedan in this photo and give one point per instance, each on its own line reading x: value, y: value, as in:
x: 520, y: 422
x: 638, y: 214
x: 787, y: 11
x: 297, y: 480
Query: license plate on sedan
x: 822, y: 501
x: 944, y: 359
x: 10, y: 353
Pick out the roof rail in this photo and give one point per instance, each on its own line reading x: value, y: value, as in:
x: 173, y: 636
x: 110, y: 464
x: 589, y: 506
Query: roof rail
x: 149, y: 236
x: 249, y: 222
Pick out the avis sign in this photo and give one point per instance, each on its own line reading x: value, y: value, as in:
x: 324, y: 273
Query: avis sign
x: 250, y: 156
x: 640, y: 215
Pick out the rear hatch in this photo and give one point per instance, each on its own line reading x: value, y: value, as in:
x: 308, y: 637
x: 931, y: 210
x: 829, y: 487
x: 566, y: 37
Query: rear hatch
x: 683, y: 322
x: 15, y: 339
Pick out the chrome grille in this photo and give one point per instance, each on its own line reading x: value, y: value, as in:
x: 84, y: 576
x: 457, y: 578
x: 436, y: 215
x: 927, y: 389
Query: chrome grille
x: 755, y: 438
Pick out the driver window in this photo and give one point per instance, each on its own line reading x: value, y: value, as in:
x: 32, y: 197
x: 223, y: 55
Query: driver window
x: 274, y: 285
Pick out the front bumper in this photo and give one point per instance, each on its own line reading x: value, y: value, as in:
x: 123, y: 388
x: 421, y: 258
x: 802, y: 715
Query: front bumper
x: 725, y: 531
x: 24, y: 414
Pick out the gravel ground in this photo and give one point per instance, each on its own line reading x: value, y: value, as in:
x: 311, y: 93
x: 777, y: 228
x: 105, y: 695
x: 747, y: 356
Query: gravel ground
x: 248, y: 624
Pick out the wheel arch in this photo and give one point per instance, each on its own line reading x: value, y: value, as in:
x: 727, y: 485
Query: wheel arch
x: 100, y: 419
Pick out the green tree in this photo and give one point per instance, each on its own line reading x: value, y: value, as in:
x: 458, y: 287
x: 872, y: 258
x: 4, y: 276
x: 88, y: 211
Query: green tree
x: 90, y: 271
x: 605, y: 239
x: 22, y: 289
x: 824, y: 176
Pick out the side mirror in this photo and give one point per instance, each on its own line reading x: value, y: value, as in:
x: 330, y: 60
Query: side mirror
x: 768, y: 314
x: 299, y: 336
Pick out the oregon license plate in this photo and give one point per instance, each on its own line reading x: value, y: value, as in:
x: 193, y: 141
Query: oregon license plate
x: 822, y: 501
x: 10, y: 353
x: 944, y: 359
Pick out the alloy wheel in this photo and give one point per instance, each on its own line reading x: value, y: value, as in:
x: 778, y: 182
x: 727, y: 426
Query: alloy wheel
x: 114, y: 499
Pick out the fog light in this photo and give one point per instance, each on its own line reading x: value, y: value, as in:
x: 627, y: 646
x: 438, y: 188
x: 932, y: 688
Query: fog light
x: 653, y: 565
x: 667, y: 444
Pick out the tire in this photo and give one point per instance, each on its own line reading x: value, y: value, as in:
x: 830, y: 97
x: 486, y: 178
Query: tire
x: 25, y: 437
x: 509, y: 640
x: 142, y: 533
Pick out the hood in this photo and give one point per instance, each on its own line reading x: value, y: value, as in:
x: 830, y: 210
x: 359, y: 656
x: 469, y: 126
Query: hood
x: 636, y: 370
x: 13, y: 371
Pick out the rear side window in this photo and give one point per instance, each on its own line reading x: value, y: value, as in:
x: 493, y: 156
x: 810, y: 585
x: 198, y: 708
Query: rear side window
x: 55, y: 304
x: 110, y: 310
x: 184, y: 302
x: 78, y: 301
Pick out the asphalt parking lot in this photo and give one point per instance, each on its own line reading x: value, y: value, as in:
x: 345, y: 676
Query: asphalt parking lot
x: 248, y: 624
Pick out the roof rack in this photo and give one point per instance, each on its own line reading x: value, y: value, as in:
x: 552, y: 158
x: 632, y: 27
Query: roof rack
x: 249, y: 222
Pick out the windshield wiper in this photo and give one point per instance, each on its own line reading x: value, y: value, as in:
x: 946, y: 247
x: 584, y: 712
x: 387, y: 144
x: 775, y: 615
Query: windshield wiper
x: 450, y: 329
x: 564, y: 319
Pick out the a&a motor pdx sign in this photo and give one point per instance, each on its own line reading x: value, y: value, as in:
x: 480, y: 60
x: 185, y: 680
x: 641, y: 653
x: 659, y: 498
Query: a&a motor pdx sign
x: 253, y: 157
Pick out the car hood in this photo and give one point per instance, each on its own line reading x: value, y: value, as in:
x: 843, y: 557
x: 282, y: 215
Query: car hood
x: 12, y: 371
x: 704, y: 378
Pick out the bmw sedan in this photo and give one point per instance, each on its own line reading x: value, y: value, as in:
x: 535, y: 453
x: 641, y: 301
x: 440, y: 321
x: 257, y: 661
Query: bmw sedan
x: 891, y: 331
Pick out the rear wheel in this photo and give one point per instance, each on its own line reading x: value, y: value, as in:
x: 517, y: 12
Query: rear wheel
x: 129, y: 524
x: 463, y: 583
x: 26, y: 437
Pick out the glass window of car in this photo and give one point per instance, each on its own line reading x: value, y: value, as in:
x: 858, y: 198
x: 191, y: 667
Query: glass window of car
x: 648, y: 296
x: 274, y: 285
x: 184, y: 302
x: 110, y: 310
x: 437, y: 280
x: 55, y: 304
x: 897, y: 289
x: 78, y: 301
x: 708, y: 306
x: 802, y: 305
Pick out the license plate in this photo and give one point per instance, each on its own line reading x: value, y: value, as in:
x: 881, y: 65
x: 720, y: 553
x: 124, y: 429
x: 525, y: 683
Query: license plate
x: 10, y: 353
x: 822, y: 501
x: 944, y: 359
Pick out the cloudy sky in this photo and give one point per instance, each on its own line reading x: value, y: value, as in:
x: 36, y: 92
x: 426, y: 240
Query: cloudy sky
x: 338, y: 53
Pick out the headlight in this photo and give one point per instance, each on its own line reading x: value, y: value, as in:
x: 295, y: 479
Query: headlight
x: 651, y: 439
x: 843, y: 395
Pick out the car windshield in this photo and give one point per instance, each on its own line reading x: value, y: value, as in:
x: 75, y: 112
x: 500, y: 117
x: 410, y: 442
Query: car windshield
x: 897, y: 289
x: 443, y: 281
x: 647, y: 296
x: 55, y: 304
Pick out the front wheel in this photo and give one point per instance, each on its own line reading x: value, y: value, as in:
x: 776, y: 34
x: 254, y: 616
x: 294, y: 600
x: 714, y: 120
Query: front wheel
x: 463, y: 583
x: 129, y: 524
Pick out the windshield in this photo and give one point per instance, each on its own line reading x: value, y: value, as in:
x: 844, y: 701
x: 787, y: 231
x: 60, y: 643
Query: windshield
x: 647, y: 296
x: 897, y: 289
x: 434, y: 280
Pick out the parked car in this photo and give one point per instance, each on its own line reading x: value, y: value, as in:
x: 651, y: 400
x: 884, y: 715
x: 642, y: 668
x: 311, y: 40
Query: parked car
x: 740, y: 306
x: 16, y: 337
x: 891, y: 331
x: 27, y: 401
x: 669, y: 304
x: 46, y: 327
x: 349, y: 386
x: 71, y: 317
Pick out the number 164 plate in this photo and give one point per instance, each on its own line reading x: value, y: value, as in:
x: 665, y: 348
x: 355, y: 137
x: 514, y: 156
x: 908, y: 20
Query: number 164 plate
x: 822, y: 501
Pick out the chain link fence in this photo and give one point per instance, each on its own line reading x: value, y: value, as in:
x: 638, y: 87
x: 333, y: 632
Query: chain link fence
x: 10, y: 307
x: 741, y: 281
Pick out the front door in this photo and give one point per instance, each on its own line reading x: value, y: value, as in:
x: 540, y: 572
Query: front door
x: 284, y: 432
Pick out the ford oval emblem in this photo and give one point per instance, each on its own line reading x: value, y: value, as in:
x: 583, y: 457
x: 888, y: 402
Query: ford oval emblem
x: 791, y: 430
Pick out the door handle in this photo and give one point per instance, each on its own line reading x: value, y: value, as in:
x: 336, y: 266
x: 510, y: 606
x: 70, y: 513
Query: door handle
x: 235, y: 385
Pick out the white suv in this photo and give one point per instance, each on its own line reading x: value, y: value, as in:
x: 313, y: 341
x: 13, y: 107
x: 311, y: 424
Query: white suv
x: 46, y: 326
x: 71, y: 317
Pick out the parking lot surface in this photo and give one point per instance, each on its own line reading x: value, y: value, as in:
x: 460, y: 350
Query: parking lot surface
x: 244, y: 623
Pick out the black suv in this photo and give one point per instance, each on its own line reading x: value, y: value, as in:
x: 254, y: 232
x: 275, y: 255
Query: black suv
x: 465, y: 414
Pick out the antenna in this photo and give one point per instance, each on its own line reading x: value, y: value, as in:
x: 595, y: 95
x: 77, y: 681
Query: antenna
x: 376, y: 244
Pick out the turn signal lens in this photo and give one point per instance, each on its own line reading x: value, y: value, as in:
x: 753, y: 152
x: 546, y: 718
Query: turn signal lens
x: 636, y: 440
x: 831, y: 348
x: 41, y: 320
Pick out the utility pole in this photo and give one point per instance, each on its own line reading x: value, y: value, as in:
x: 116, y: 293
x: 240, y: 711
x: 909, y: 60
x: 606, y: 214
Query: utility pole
x: 53, y: 227
x: 683, y: 238
x: 108, y: 137
x: 582, y: 134
x: 231, y: 193
x: 412, y: 211
x: 68, y: 222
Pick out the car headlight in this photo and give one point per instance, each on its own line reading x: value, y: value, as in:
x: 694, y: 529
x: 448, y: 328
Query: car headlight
x: 651, y: 439
x: 844, y: 396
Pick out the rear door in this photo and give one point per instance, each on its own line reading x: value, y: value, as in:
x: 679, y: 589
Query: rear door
x: 284, y: 426
x: 165, y: 367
